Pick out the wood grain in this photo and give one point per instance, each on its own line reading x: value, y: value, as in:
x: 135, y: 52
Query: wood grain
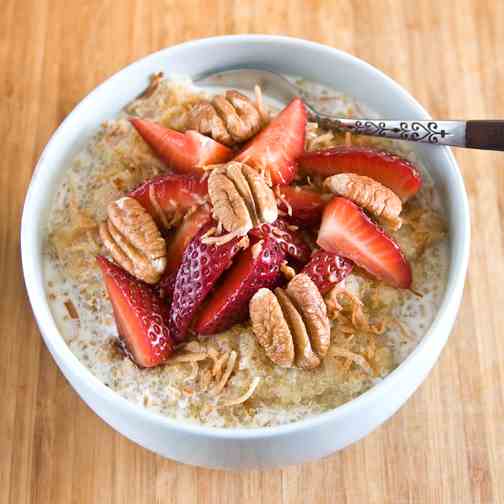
x: 445, y: 445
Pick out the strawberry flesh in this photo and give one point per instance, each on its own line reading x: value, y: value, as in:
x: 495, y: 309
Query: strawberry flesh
x: 346, y: 230
x: 305, y: 205
x: 166, y: 286
x: 190, y: 226
x: 176, y: 246
x: 182, y: 152
x: 327, y: 269
x: 276, y: 148
x: 202, y: 265
x: 392, y: 171
x: 140, y: 314
x: 170, y: 194
x: 291, y: 241
x: 228, y: 304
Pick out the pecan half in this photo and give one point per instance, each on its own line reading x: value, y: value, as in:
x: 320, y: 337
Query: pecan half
x: 229, y: 206
x: 133, y: 239
x: 204, y: 118
x: 235, y: 172
x: 264, y: 197
x: 305, y: 357
x: 241, y: 198
x: 271, y: 328
x: 229, y: 119
x: 310, y: 303
x: 299, y: 314
x: 369, y: 194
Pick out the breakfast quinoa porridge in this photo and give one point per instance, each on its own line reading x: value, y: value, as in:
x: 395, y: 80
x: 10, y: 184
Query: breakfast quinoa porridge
x: 218, y: 260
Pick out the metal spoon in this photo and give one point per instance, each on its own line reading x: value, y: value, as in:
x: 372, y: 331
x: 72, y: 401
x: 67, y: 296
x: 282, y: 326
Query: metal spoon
x: 471, y: 134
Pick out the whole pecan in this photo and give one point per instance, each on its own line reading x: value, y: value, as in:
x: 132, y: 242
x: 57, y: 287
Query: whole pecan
x: 369, y: 194
x: 229, y: 119
x: 133, y: 239
x: 240, y: 197
x: 271, y: 328
x: 292, y: 324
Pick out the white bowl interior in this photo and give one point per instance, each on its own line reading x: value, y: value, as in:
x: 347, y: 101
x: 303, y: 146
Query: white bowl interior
x: 291, y: 56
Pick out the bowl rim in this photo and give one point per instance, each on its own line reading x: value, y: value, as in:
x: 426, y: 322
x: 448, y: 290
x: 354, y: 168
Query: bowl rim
x: 62, y: 353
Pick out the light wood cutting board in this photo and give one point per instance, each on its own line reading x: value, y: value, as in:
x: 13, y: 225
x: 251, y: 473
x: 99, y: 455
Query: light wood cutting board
x: 445, y: 445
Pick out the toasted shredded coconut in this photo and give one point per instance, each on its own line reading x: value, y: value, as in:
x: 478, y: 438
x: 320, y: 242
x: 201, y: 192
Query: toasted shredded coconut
x: 205, y: 379
x: 221, y: 239
x: 358, y: 359
x: 371, y: 349
x: 190, y: 357
x: 227, y: 373
x: 157, y: 207
x: 417, y: 293
x: 194, y: 372
x: 155, y: 80
x: 246, y: 396
x: 263, y: 112
x: 218, y: 364
x: 176, y: 394
x: 72, y: 311
x: 280, y: 197
x: 193, y: 346
x: 213, y: 353
x: 346, y: 366
x: 402, y: 328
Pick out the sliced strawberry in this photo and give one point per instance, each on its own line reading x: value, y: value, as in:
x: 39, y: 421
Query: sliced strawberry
x: 140, y: 314
x: 327, y: 269
x: 291, y: 241
x: 304, y: 204
x: 187, y: 230
x: 276, y: 148
x: 182, y: 152
x: 256, y: 267
x: 176, y: 246
x: 169, y: 195
x: 392, y: 171
x: 346, y: 230
x: 166, y: 286
x: 201, y: 267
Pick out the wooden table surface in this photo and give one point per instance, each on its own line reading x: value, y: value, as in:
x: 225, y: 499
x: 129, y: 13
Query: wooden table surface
x: 445, y: 445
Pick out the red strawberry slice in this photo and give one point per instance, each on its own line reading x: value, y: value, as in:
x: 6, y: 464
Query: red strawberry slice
x: 140, y: 314
x: 305, y: 204
x: 392, y: 171
x: 291, y: 241
x: 176, y: 246
x: 166, y: 286
x: 169, y: 195
x: 202, y: 265
x: 327, y: 269
x: 254, y: 268
x: 182, y: 152
x: 187, y: 230
x: 346, y: 230
x: 276, y: 148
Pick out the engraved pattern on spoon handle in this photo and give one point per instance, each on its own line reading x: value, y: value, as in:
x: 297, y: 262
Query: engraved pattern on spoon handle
x: 433, y: 132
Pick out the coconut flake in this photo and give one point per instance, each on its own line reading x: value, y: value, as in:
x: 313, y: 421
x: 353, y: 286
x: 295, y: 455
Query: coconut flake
x: 356, y: 358
x: 246, y: 396
x: 227, y: 373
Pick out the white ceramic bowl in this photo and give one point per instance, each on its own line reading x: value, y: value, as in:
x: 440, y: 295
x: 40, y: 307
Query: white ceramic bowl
x: 245, y: 448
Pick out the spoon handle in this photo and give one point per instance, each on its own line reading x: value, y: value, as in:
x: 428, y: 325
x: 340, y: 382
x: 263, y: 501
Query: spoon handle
x: 471, y: 134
